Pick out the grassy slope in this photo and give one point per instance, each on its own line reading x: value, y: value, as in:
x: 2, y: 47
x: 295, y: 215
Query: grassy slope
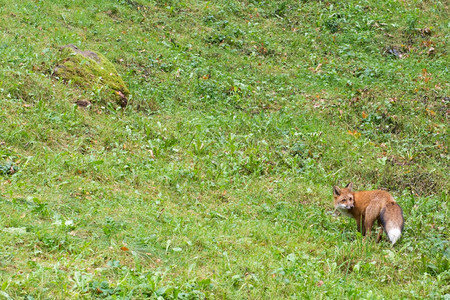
x: 216, y: 180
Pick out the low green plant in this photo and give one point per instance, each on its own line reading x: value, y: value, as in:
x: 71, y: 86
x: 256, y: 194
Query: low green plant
x: 215, y: 180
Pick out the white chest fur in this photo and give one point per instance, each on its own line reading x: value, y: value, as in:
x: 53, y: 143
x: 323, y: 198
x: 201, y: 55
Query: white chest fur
x: 345, y: 212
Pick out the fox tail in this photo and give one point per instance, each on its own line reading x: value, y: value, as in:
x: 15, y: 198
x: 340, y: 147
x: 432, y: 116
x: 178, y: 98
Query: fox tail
x: 392, y: 219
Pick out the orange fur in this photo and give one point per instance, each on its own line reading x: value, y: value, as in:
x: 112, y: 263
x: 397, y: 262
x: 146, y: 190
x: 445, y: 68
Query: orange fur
x: 366, y: 207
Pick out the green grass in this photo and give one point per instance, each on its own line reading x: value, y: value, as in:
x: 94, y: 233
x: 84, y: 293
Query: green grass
x: 215, y: 181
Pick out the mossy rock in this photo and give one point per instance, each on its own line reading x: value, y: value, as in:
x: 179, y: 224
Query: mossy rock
x: 92, y: 71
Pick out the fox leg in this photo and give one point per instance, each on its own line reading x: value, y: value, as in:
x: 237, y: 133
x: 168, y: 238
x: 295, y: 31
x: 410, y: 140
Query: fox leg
x: 372, y: 213
x: 368, y: 225
x: 358, y: 223
x: 380, y: 232
x: 363, y: 225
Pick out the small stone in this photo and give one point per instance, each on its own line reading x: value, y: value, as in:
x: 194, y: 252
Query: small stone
x: 83, y: 103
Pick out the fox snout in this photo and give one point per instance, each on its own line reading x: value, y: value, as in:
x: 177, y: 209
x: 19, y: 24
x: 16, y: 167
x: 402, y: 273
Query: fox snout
x: 345, y: 206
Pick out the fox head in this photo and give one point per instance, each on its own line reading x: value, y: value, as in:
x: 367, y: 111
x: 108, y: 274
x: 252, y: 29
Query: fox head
x: 344, y: 199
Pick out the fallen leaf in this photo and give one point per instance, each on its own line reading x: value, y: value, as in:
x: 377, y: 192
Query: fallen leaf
x: 318, y: 67
x: 354, y: 133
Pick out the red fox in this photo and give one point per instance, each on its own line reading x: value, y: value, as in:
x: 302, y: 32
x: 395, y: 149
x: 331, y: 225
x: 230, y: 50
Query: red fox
x: 367, y: 207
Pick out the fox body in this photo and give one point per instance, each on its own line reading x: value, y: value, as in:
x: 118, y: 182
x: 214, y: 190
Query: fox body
x: 366, y: 207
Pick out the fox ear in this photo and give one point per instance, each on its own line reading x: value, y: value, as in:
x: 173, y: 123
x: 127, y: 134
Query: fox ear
x: 349, y: 186
x: 336, y: 191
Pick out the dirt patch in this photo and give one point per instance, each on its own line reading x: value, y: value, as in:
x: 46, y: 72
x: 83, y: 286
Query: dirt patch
x: 420, y: 182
